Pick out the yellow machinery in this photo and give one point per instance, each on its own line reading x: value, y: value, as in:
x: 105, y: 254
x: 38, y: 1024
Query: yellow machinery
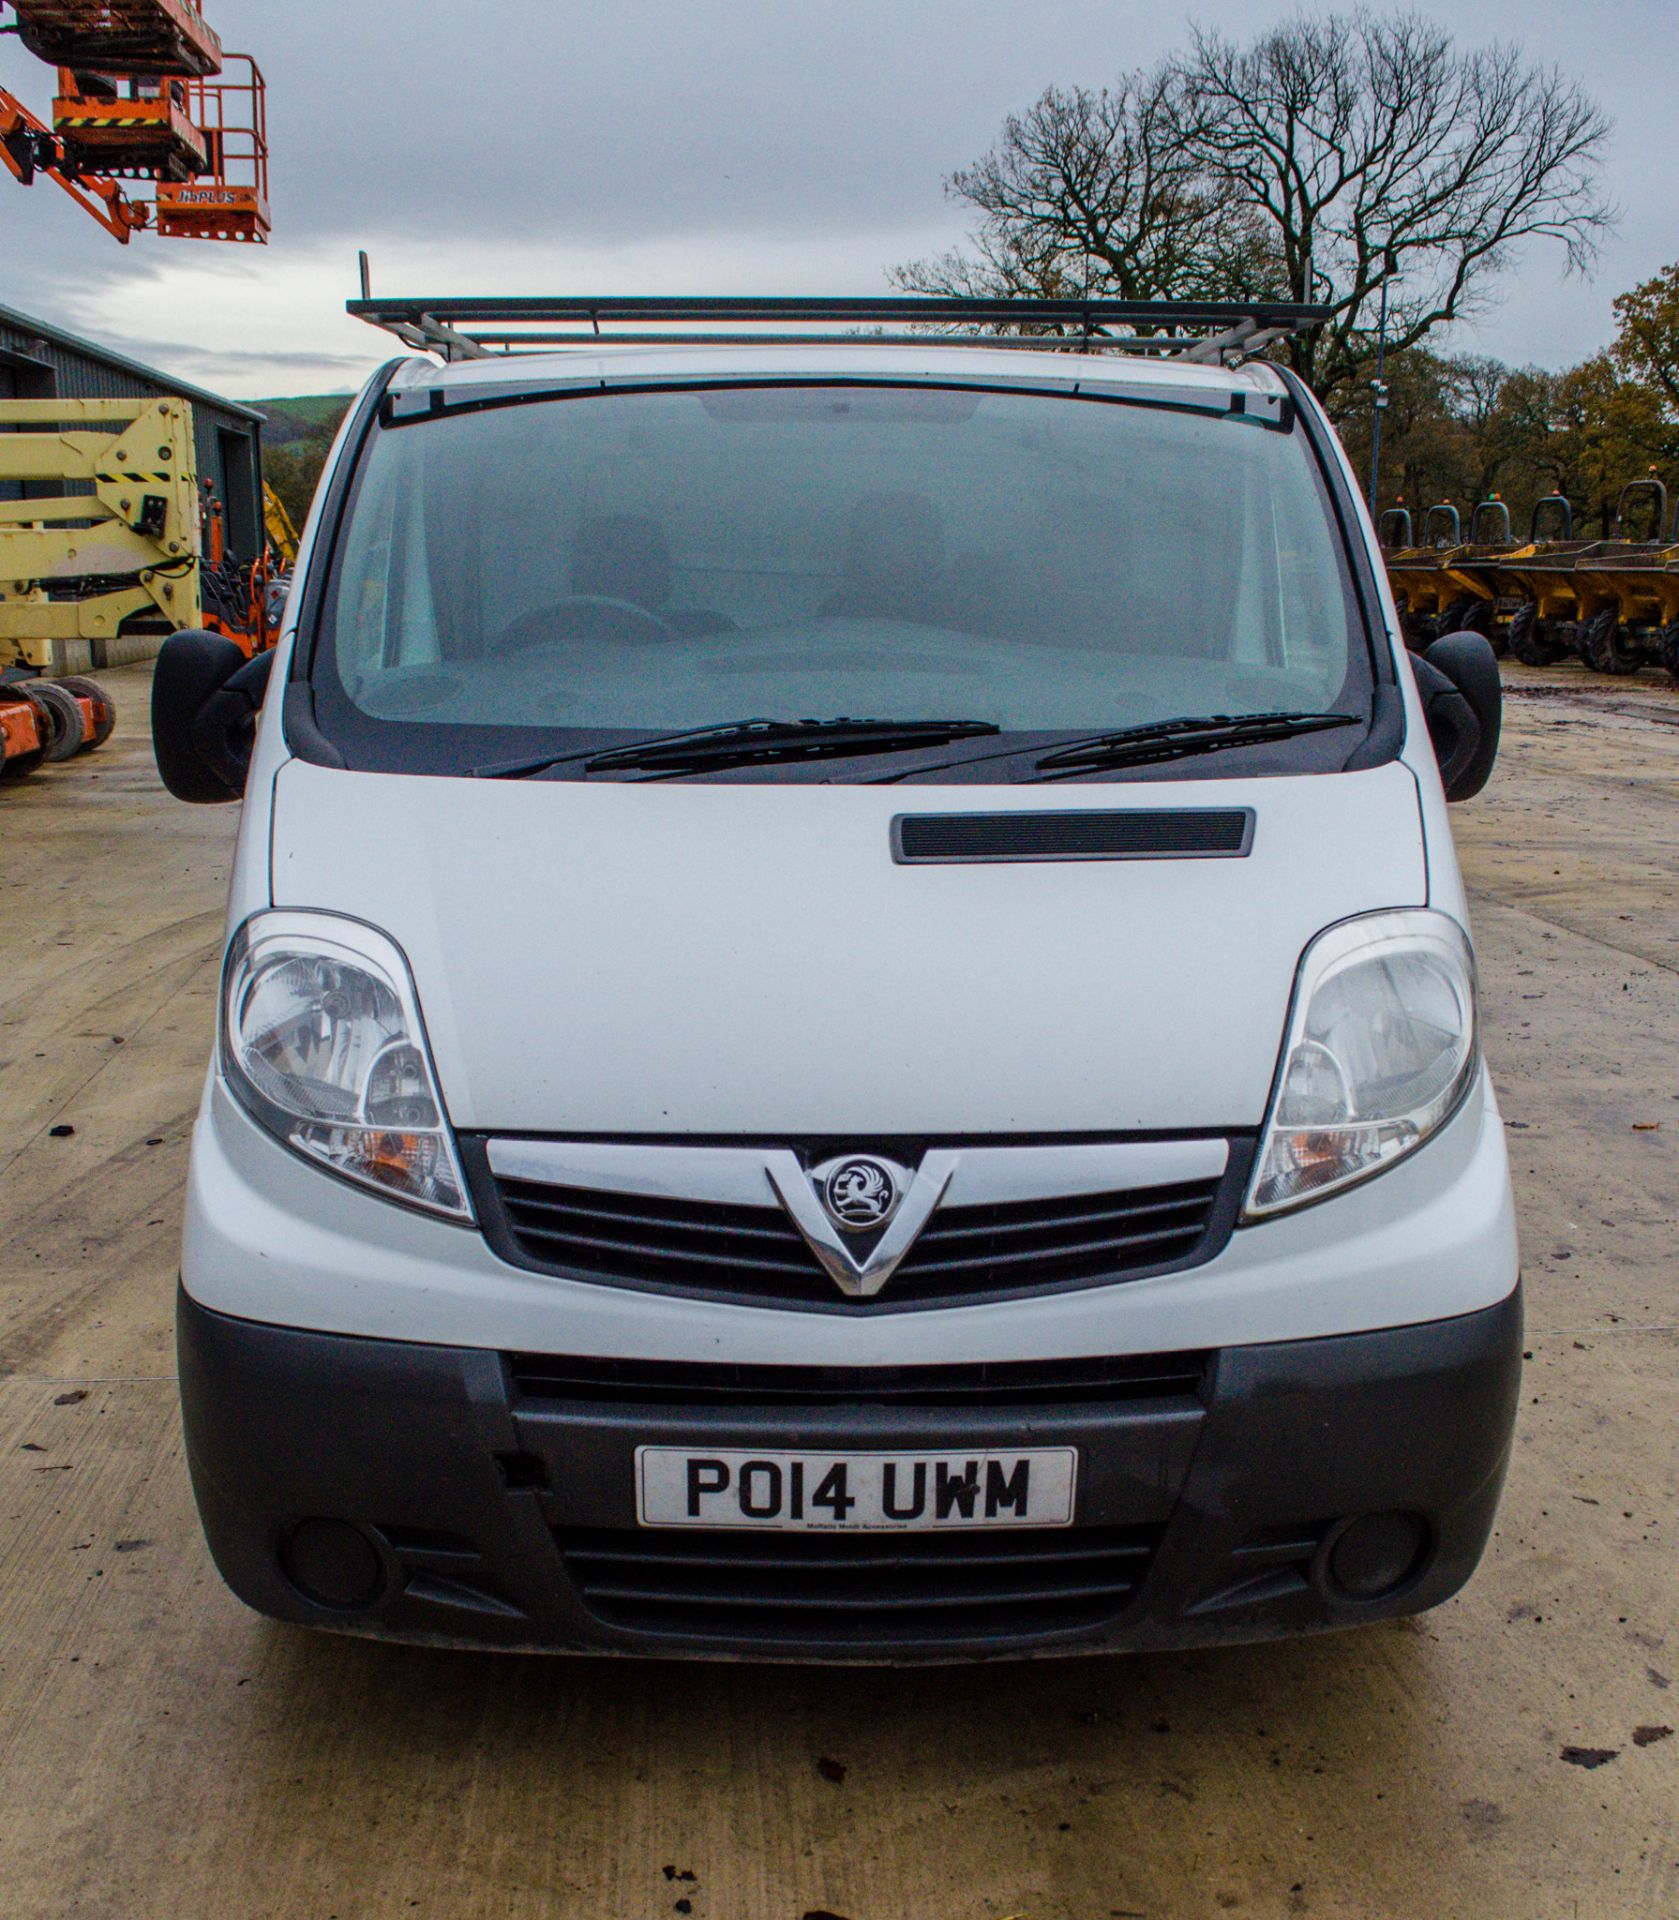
x: 1517, y: 592
x: 1613, y: 604
x: 107, y: 542
x: 113, y: 548
x: 1424, y: 586
x: 114, y: 538
x: 1632, y: 588
x: 1607, y: 603
x: 282, y: 535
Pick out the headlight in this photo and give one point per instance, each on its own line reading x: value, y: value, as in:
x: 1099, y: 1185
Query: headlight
x: 321, y: 1039
x: 1382, y: 1047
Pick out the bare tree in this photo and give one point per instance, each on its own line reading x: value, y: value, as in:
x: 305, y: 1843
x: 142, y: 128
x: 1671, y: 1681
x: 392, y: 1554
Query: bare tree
x: 1372, y: 146
x: 1331, y: 153
x: 1097, y: 193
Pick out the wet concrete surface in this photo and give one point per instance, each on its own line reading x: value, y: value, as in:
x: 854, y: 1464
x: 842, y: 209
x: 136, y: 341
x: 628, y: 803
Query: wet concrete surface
x: 163, y: 1752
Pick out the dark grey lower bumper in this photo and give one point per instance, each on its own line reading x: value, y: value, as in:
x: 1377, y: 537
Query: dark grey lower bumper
x: 470, y: 1511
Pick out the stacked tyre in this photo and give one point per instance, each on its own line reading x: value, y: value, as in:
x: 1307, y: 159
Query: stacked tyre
x: 51, y: 721
x: 99, y: 714
x: 63, y: 728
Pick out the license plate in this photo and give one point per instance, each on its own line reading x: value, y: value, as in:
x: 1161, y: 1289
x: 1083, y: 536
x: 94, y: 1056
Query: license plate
x: 855, y: 1492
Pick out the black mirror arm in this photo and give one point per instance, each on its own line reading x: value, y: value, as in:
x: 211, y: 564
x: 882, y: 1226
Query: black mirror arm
x: 1466, y: 663
x: 1452, y: 726
x: 224, y: 727
x: 205, y: 697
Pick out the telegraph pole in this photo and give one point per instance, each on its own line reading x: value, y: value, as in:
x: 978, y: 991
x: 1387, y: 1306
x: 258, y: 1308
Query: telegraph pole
x: 1378, y: 386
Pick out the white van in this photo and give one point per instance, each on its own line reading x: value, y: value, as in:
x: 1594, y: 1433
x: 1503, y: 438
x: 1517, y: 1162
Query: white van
x: 849, y: 1029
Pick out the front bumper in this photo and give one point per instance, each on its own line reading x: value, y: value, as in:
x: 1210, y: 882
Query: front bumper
x: 491, y: 1501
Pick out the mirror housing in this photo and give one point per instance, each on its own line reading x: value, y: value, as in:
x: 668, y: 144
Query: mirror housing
x: 205, y: 700
x: 1463, y: 702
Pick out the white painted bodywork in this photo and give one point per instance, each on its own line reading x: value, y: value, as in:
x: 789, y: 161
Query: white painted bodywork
x: 700, y: 960
x: 747, y: 959
x: 268, y: 1237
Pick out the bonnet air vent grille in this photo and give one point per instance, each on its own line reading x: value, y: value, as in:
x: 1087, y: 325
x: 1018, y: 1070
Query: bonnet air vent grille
x: 1200, y: 833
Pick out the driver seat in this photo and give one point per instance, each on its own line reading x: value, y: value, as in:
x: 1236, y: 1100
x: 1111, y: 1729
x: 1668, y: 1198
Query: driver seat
x: 626, y: 556
x: 891, y: 560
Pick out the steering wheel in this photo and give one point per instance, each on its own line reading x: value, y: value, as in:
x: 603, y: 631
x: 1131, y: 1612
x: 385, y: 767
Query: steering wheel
x: 532, y: 629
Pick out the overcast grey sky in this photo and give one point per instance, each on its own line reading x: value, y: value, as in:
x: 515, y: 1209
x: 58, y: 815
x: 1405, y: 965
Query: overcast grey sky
x: 699, y: 146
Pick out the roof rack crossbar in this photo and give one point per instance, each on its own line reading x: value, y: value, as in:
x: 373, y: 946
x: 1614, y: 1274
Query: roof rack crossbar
x: 473, y: 327
x: 1173, y: 346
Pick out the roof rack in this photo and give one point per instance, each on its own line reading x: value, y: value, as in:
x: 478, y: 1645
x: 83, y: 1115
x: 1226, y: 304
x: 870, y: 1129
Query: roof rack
x: 470, y: 327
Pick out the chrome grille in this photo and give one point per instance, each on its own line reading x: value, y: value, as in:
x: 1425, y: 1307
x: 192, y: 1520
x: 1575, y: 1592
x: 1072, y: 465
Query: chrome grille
x: 1038, y: 1242
x: 756, y: 1252
x: 706, y: 1221
x: 693, y: 1243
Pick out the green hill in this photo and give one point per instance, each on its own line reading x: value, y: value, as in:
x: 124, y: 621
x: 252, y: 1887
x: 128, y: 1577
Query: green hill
x: 295, y: 439
x: 309, y: 416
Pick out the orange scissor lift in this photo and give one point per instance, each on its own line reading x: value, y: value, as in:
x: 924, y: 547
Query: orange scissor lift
x: 131, y: 36
x: 228, y: 198
x: 145, y: 93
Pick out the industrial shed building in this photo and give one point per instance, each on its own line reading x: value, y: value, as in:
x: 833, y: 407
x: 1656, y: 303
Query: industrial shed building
x: 39, y: 361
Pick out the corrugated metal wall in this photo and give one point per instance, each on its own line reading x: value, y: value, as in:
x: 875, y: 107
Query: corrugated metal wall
x: 41, y: 366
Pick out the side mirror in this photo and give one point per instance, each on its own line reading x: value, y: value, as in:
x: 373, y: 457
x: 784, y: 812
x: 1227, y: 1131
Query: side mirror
x: 205, y: 699
x: 1463, y: 700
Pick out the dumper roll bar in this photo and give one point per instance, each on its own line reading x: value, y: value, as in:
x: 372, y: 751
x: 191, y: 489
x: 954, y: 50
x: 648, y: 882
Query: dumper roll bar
x: 1399, y: 520
x: 1561, y: 506
x: 1638, y: 490
x: 1446, y: 515
x: 1499, y: 514
x: 474, y: 327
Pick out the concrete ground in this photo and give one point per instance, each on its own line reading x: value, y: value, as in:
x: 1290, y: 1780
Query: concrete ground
x: 165, y: 1753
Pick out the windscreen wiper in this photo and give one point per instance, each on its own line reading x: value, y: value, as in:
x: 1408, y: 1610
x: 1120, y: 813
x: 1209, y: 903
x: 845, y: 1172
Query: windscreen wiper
x: 748, y: 743
x: 744, y: 743
x: 535, y: 763
x: 1180, y: 738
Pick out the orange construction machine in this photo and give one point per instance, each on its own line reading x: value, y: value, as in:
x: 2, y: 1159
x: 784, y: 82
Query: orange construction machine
x: 44, y: 720
x: 136, y: 36
x: 144, y: 94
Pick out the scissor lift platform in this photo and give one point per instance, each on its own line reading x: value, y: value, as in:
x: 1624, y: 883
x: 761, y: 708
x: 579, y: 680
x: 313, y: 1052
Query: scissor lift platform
x: 228, y: 198
x: 120, y: 36
x: 127, y: 128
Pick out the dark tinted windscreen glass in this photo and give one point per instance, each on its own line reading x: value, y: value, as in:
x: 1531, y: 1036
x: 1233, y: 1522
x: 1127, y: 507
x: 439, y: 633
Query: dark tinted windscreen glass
x: 677, y: 559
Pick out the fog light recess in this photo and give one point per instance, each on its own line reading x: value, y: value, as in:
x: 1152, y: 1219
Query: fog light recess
x: 1377, y: 1554
x: 334, y: 1564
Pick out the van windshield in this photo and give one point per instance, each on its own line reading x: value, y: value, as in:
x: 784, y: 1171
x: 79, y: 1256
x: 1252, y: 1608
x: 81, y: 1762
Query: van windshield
x: 580, y: 573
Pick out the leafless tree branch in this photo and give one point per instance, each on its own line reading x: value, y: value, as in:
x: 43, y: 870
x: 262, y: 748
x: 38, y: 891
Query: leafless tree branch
x: 1325, y: 156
